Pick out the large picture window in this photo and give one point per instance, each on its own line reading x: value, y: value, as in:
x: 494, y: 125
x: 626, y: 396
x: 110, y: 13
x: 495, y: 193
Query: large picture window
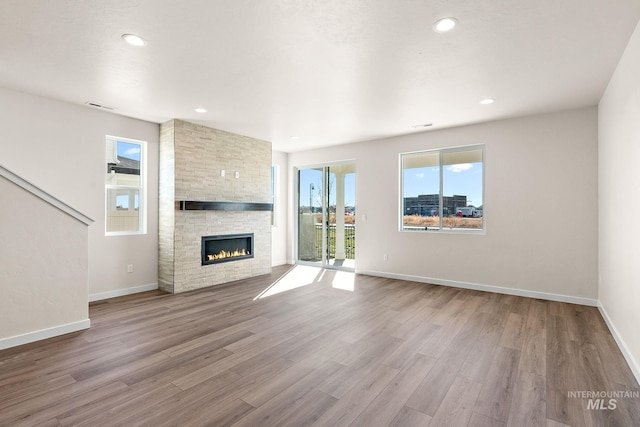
x: 443, y: 190
x: 125, y: 186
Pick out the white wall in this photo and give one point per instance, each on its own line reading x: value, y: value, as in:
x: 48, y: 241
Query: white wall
x: 540, y: 206
x: 619, y: 184
x: 60, y: 147
x: 43, y: 269
x: 279, y: 230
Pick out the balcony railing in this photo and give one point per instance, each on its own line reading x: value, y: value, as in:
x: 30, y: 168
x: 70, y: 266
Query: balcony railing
x: 349, y: 241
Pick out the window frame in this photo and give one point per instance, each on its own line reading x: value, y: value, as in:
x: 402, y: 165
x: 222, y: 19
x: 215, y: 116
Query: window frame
x: 441, y: 152
x: 142, y: 188
x: 274, y: 194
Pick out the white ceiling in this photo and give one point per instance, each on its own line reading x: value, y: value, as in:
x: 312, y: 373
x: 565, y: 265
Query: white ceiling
x: 326, y: 71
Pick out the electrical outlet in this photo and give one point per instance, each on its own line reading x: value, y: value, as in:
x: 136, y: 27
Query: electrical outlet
x: 221, y: 172
x: 130, y: 268
x: 237, y: 174
x: 385, y: 257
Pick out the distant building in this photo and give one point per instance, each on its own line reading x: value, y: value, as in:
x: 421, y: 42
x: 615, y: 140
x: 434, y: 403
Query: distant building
x: 124, y: 165
x: 429, y: 204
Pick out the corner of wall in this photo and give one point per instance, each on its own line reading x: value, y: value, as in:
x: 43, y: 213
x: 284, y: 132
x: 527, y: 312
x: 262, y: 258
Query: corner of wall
x: 624, y: 349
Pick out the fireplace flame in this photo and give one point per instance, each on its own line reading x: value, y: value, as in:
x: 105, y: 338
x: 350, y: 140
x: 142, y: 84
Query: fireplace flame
x: 227, y: 254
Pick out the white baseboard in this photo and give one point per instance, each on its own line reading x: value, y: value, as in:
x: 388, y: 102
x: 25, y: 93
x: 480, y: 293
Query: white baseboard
x: 277, y: 263
x: 486, y: 288
x: 122, y: 292
x: 633, y: 364
x: 43, y: 334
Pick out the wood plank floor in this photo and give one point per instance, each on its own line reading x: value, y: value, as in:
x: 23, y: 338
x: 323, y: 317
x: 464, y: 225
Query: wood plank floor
x: 335, y: 350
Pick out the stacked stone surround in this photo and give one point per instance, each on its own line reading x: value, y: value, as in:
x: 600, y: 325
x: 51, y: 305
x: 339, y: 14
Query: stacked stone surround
x: 192, y: 157
x: 166, y: 207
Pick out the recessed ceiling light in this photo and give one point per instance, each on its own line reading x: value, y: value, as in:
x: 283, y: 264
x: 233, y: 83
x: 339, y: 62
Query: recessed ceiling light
x: 444, y: 25
x: 294, y: 137
x: 134, y: 40
x: 200, y: 110
x: 487, y: 101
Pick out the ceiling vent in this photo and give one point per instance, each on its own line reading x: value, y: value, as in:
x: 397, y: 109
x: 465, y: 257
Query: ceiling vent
x: 94, y: 105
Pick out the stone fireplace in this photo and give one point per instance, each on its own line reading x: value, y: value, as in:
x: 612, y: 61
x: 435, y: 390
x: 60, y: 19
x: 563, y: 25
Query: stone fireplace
x: 212, y: 183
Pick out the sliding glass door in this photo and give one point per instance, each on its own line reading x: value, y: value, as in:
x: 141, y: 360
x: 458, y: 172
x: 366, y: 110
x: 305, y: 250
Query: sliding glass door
x: 310, y: 215
x: 326, y: 216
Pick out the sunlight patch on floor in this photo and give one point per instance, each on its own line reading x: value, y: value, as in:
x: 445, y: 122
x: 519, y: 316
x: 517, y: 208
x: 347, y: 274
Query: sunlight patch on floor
x: 297, y: 277
x: 344, y: 280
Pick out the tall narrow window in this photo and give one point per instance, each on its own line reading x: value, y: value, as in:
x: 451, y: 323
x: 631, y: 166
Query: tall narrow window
x: 125, y: 185
x: 274, y: 187
x: 443, y: 189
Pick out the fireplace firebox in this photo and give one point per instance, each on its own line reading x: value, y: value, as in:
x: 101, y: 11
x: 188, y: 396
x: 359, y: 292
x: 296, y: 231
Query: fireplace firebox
x: 225, y: 248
